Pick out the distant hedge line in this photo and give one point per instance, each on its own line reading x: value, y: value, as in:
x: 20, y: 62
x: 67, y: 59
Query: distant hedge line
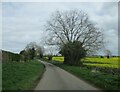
x: 9, y: 56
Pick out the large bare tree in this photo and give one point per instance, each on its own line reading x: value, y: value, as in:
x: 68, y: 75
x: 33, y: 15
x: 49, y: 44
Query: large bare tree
x: 74, y: 25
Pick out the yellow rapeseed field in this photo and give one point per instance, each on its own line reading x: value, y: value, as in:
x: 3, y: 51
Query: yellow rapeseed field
x: 113, y: 62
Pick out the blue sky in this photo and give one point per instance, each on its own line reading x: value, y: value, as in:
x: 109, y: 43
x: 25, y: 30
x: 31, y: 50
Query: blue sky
x: 23, y: 22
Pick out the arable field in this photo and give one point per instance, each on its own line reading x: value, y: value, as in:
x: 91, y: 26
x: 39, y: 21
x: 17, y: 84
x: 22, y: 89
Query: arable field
x: 102, y: 62
x: 61, y: 59
x: 99, y: 62
x: 21, y: 75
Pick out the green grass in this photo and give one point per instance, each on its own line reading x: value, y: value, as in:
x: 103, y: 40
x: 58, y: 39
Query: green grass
x: 99, y: 79
x: 21, y: 75
x: 99, y: 62
x: 0, y: 75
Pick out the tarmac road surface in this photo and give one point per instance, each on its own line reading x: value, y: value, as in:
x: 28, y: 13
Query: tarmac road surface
x: 56, y: 78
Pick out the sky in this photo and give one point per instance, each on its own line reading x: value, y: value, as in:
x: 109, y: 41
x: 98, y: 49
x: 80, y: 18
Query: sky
x: 23, y: 22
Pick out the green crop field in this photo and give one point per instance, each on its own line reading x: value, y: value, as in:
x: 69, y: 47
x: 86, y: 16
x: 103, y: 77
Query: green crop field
x: 99, y: 62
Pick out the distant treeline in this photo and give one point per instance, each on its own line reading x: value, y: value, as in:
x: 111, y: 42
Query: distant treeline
x: 9, y: 56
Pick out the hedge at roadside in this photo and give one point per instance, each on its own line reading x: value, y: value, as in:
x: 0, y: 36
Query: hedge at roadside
x: 113, y: 71
x: 9, y: 56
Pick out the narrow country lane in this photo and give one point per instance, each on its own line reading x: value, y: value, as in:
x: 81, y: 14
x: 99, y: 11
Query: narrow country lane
x: 56, y: 78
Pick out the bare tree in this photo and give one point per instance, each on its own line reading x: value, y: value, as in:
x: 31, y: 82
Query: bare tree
x: 39, y: 51
x: 108, y: 53
x: 31, y: 45
x: 31, y: 51
x: 74, y: 25
x: 50, y: 51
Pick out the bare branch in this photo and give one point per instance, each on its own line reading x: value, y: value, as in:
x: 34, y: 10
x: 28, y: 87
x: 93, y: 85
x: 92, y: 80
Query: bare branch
x: 74, y: 25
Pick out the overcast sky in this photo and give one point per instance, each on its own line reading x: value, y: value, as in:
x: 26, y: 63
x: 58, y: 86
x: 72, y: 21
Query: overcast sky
x: 24, y: 22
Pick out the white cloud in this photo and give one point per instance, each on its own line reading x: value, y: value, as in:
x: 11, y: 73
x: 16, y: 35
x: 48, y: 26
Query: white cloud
x: 0, y: 26
x: 24, y: 22
x: 60, y: 0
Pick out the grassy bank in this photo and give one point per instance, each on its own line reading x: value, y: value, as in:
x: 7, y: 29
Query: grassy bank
x: 21, y: 75
x: 100, y: 79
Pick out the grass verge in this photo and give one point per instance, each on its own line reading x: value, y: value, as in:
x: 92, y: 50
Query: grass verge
x: 105, y: 81
x: 21, y: 75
